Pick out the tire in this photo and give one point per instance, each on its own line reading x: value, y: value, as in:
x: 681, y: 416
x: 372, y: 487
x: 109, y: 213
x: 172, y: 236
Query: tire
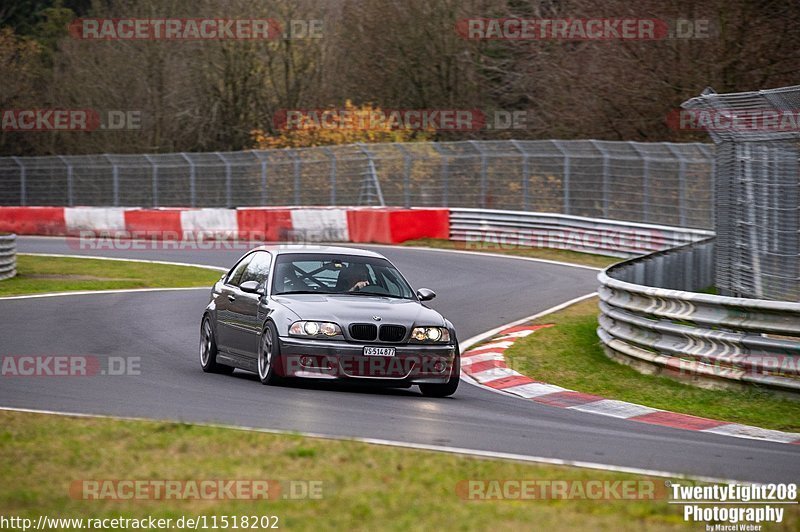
x: 208, y: 350
x: 269, y: 356
x: 448, y: 388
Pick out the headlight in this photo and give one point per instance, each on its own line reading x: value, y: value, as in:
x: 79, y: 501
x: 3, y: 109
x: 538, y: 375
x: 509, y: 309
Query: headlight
x: 317, y: 329
x: 430, y: 335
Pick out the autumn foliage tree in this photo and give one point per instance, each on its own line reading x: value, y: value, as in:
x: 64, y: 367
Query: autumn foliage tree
x: 349, y: 124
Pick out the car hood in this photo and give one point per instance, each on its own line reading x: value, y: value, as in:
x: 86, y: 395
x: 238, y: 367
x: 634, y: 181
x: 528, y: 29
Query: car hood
x: 344, y: 309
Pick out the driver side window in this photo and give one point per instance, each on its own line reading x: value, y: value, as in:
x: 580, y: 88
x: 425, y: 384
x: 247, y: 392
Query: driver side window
x: 235, y: 276
x: 258, y: 268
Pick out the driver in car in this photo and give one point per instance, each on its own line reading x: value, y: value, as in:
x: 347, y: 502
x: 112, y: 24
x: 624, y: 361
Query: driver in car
x: 355, y: 277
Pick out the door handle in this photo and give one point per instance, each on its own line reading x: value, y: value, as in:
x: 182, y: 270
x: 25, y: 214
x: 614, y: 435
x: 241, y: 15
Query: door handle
x: 231, y: 298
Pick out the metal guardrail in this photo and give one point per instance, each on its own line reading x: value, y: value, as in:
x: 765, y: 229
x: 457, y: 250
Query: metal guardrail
x: 495, y: 229
x: 8, y: 256
x: 650, y: 319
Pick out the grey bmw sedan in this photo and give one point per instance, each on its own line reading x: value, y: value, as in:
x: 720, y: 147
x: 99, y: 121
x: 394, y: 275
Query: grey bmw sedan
x: 327, y: 313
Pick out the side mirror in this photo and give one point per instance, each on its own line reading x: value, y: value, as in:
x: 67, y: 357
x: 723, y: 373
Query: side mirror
x: 251, y: 287
x: 425, y: 294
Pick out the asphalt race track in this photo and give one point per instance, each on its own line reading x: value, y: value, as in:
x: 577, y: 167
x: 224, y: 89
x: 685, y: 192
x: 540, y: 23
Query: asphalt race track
x: 475, y: 292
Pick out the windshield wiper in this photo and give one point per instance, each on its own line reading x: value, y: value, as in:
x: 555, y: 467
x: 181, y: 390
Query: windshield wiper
x: 304, y: 292
x: 373, y: 294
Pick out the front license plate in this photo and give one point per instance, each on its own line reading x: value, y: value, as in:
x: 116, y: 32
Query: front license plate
x: 379, y: 351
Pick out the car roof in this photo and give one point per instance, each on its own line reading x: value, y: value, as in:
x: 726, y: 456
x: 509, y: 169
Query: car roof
x: 283, y: 249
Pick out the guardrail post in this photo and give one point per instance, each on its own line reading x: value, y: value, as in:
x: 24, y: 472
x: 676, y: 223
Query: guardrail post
x: 228, y: 179
x: 8, y: 256
x: 115, y: 179
x: 192, y: 180
x: 153, y: 179
x: 23, y: 193
x: 70, y: 200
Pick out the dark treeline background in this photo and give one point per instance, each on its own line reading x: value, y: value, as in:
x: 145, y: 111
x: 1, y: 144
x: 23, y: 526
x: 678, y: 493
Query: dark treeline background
x: 211, y: 95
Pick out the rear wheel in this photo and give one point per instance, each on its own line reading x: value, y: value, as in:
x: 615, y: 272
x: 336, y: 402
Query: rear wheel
x: 448, y: 388
x: 269, y: 355
x: 208, y: 350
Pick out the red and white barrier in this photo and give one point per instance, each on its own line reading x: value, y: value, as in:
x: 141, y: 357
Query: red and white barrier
x: 347, y: 224
x: 486, y: 365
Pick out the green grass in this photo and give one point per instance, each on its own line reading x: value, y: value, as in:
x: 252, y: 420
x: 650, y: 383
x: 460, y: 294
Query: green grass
x: 364, y: 487
x: 570, y: 355
x: 37, y: 274
x: 561, y: 255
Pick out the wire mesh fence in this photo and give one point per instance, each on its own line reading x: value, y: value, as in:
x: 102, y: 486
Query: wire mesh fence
x: 660, y: 183
x: 757, y: 190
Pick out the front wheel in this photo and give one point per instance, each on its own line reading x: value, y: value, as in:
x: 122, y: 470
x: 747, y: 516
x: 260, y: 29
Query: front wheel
x: 448, y: 388
x: 208, y: 350
x: 269, y: 355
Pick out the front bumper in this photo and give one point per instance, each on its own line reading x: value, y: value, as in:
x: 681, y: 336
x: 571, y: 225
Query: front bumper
x: 338, y: 360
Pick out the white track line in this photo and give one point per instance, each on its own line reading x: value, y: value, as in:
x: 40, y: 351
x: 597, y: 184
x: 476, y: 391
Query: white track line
x: 103, y: 292
x: 94, y: 257
x: 120, y: 291
x: 408, y: 445
x: 496, y: 255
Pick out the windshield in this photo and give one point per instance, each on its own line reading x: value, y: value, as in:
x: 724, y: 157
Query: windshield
x: 304, y: 273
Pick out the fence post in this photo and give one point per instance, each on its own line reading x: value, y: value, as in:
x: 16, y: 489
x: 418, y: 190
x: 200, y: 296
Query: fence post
x: 373, y: 175
x: 565, y: 183
x: 296, y: 171
x: 645, y: 181
x: 228, y: 178
x: 23, y: 186
x: 681, y: 183
x: 70, y: 199
x: 712, y: 188
x: 153, y: 179
x: 332, y: 157
x: 115, y: 179
x: 263, y: 160
x: 192, y: 179
x: 484, y: 170
x: 525, y: 172
x: 606, y: 177
x: 445, y: 174
x: 406, y: 175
